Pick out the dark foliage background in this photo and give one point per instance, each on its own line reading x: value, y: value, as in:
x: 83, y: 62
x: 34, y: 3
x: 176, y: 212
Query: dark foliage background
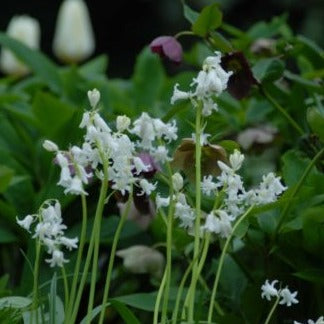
x: 124, y: 27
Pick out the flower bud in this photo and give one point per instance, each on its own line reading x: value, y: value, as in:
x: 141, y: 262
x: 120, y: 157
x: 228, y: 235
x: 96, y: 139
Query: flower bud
x: 143, y: 259
x: 167, y: 46
x: 177, y: 181
x: 74, y: 39
x: 122, y: 123
x: 25, y: 29
x: 50, y: 146
x: 94, y: 97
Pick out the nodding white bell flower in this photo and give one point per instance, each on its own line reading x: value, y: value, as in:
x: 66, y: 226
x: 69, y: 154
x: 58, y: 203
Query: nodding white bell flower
x: 122, y: 123
x: 74, y: 38
x: 57, y: 259
x: 50, y: 146
x: 162, y: 202
x: 269, y: 290
x: 25, y: 29
x: 211, y: 81
x: 26, y: 222
x: 143, y: 259
x: 287, y: 297
x: 320, y: 320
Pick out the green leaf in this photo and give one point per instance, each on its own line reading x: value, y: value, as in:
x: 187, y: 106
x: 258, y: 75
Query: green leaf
x: 148, y: 79
x: 144, y: 301
x: 220, y: 42
x: 94, y: 67
x: 126, y: 314
x: 6, y: 175
x: 316, y: 121
x: 6, y: 236
x: 209, y: 19
x: 51, y: 113
x: 94, y: 313
x: 14, y: 302
x: 269, y: 69
x: 190, y: 14
x: 312, y: 275
x: 56, y: 308
x: 311, y: 85
x: 37, y: 62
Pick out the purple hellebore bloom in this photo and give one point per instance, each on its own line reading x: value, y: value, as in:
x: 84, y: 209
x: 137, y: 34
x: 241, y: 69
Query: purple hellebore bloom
x: 167, y: 46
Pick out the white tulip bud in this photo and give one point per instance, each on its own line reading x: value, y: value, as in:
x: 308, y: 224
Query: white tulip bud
x: 94, y: 97
x: 143, y: 259
x: 177, y: 181
x: 50, y: 146
x: 73, y: 39
x: 25, y: 29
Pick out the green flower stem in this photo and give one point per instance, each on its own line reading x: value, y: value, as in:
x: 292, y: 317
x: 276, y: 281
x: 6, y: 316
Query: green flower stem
x: 179, y: 292
x: 112, y: 257
x: 204, y: 254
x: 296, y: 190
x: 221, y: 263
x: 97, y: 229
x: 158, y: 299
x: 79, y: 256
x: 282, y: 111
x: 273, y: 308
x: 35, y: 286
x: 66, y: 288
x: 184, y: 33
x: 168, y: 267
x: 195, y: 270
x: 101, y: 202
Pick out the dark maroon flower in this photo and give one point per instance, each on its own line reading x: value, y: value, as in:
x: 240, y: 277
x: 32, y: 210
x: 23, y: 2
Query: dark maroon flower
x: 152, y: 166
x: 167, y: 46
x: 242, y: 79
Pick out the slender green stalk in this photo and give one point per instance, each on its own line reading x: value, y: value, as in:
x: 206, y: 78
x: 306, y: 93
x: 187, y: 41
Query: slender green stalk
x: 158, y: 299
x: 179, y: 292
x: 94, y: 233
x: 221, y: 263
x: 35, y: 286
x: 195, y: 270
x: 66, y: 288
x: 79, y: 256
x: 273, y: 308
x: 296, y: 189
x: 204, y: 254
x: 112, y: 257
x: 97, y: 227
x: 282, y: 111
x: 183, y: 33
x: 168, y: 267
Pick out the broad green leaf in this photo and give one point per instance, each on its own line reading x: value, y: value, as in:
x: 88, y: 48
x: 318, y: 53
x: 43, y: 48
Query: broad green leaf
x: 309, y: 84
x: 126, y: 314
x: 312, y: 275
x: 6, y: 175
x: 37, y: 62
x: 220, y: 42
x: 56, y: 308
x: 14, y: 302
x: 269, y: 69
x: 94, y: 313
x: 316, y: 122
x: 94, y: 67
x: 144, y: 301
x: 148, y: 79
x: 6, y: 236
x: 189, y: 13
x: 52, y: 114
x: 209, y: 19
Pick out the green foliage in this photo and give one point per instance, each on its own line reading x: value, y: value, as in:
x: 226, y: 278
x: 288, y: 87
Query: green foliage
x: 49, y: 103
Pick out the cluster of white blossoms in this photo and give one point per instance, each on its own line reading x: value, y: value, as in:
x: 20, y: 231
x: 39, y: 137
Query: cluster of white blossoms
x: 183, y: 211
x: 320, y: 320
x: 50, y: 231
x: 210, y: 82
x: 112, y: 150
x: 236, y: 199
x: 286, y: 296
